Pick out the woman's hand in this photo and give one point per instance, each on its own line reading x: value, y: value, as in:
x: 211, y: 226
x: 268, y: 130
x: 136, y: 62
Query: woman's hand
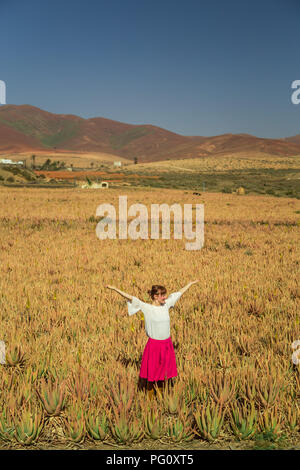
x: 127, y: 296
x: 188, y: 286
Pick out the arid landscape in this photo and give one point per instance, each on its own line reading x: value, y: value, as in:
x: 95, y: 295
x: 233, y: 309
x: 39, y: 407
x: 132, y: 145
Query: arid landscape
x: 73, y: 353
x: 28, y: 129
x: 146, y: 152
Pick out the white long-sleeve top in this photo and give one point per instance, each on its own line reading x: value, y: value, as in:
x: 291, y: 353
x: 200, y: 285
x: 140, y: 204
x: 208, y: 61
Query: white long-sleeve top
x: 157, y: 319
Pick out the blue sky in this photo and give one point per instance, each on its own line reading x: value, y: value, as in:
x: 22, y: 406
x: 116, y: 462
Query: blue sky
x: 192, y: 67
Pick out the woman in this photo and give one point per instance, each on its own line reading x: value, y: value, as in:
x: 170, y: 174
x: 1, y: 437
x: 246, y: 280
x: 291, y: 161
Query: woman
x: 158, y: 361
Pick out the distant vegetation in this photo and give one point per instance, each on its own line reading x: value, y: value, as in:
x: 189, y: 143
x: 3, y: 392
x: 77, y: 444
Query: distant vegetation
x: 69, y: 130
x: 268, y: 181
x: 271, y: 176
x: 57, y: 136
x: 14, y: 170
x: 119, y: 141
x: 21, y: 125
x: 55, y: 165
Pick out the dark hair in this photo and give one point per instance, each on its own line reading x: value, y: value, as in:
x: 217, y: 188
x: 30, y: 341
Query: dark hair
x: 156, y: 289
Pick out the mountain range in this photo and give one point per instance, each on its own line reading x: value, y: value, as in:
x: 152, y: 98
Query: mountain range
x: 26, y: 128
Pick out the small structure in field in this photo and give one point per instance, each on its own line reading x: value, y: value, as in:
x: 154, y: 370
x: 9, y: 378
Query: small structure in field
x: 240, y: 191
x: 117, y: 163
x: 103, y: 184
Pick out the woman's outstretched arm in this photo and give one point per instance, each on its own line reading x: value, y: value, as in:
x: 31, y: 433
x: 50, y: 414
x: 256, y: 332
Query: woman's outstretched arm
x: 185, y: 288
x: 127, y: 296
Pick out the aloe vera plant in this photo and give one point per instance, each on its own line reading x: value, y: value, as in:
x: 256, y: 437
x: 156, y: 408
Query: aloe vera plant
x: 79, y: 385
x: 270, y: 421
x: 179, y: 431
x: 172, y: 399
x: 136, y: 430
x: 97, y: 425
x: 23, y: 394
x: 243, y: 421
x: 6, y: 427
x: 173, y: 403
x: 249, y: 387
x: 153, y: 422
x: 74, y: 424
x: 41, y: 369
x: 209, y: 420
x: 222, y: 389
x: 30, y: 376
x: 125, y: 429
x: 52, y: 396
x: 28, y: 427
x: 15, y: 357
x: 120, y: 430
x: 7, y: 382
x: 203, y: 395
x: 244, y: 344
x: 268, y: 391
x: 121, y: 396
x: 293, y: 417
x: 192, y: 391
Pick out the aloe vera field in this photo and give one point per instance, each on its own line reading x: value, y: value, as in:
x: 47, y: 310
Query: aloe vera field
x: 73, y: 354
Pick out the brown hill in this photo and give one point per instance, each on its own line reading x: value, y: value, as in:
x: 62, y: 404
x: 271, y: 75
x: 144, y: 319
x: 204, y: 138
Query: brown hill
x: 245, y: 142
x: 13, y: 140
x: 294, y: 139
x: 26, y: 128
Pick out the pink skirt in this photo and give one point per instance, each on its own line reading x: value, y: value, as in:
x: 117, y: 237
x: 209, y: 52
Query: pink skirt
x: 158, y: 361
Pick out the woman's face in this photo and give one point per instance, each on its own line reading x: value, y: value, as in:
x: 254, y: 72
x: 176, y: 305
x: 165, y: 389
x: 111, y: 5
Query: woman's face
x: 160, y: 298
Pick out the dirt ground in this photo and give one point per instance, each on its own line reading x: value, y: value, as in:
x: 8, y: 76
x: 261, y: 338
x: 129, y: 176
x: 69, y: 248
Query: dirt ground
x: 163, y: 444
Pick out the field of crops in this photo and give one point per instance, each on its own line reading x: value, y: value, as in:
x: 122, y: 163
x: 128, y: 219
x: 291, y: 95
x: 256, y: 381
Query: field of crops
x: 67, y: 175
x: 73, y: 353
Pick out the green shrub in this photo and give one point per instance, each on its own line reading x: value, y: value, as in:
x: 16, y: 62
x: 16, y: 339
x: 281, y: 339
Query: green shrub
x: 10, y: 179
x: 27, y: 175
x: 15, y: 170
x: 226, y: 190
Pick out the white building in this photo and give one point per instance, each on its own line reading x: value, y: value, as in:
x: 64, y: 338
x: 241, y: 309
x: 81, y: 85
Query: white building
x: 117, y: 163
x: 103, y: 184
x: 6, y: 161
